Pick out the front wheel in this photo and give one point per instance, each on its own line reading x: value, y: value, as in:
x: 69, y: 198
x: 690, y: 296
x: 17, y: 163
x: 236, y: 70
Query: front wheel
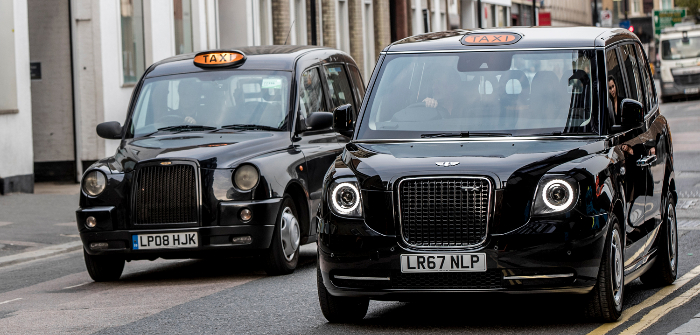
x: 283, y: 255
x: 103, y: 268
x: 339, y: 309
x: 605, y: 302
x: 665, y: 268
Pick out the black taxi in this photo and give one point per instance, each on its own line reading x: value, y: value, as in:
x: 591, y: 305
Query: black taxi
x: 509, y: 160
x: 222, y: 153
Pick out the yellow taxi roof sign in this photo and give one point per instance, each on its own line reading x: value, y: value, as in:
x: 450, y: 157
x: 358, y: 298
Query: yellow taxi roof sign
x: 490, y: 38
x: 219, y: 58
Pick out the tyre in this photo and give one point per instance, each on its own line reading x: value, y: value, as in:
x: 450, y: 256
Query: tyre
x: 605, y: 301
x: 283, y: 255
x: 665, y: 268
x: 103, y: 268
x: 339, y: 309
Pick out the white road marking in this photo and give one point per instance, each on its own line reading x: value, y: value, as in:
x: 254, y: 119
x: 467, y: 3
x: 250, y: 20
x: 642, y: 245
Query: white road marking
x: 74, y: 286
x: 4, y: 302
x: 66, y: 224
x: 41, y: 253
x: 690, y: 327
x: 651, y: 301
x: 5, y: 223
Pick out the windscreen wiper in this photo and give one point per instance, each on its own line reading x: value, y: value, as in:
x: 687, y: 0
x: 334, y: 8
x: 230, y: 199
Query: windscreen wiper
x: 464, y: 134
x: 249, y: 127
x: 183, y: 127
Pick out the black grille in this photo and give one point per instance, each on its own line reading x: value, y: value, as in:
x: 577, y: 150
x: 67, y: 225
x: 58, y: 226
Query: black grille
x: 687, y: 79
x: 166, y: 194
x: 453, y: 280
x: 444, y: 212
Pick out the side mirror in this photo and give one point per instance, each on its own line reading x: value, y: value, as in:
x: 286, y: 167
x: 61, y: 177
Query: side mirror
x: 632, y: 115
x: 342, y: 119
x: 319, y: 121
x: 111, y: 130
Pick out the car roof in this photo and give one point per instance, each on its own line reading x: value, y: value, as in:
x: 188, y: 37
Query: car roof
x: 269, y: 57
x: 532, y: 37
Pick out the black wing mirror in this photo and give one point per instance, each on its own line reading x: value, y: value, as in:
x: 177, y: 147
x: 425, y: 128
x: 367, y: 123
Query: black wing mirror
x: 342, y: 119
x: 632, y: 115
x: 111, y: 130
x: 319, y: 121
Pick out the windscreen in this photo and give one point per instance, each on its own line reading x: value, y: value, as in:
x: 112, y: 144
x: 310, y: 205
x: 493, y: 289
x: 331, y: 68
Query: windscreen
x: 211, y: 100
x: 516, y: 93
x: 677, y: 49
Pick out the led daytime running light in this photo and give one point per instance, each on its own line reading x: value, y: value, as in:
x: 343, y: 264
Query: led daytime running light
x: 338, y: 207
x: 568, y: 188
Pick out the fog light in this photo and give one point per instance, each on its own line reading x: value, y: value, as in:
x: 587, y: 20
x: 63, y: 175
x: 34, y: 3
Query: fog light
x: 91, y: 222
x: 242, y: 240
x: 246, y: 214
x: 99, y: 245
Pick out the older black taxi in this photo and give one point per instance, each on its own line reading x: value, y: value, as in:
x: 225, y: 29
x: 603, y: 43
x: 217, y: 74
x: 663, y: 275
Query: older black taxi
x: 222, y: 153
x: 514, y: 160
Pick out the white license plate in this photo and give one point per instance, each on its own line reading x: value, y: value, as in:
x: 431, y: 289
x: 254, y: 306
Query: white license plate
x: 443, y: 263
x: 164, y: 241
x: 691, y: 90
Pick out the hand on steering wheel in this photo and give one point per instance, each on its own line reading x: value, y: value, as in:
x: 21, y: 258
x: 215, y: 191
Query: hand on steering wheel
x: 430, y: 102
x: 190, y: 120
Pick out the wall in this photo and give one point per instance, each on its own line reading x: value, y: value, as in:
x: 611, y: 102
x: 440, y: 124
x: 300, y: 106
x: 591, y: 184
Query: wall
x: 16, y: 152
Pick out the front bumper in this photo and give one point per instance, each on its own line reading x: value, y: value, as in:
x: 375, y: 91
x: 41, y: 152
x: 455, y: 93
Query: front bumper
x: 554, y: 257
x: 213, y: 240
x: 671, y: 89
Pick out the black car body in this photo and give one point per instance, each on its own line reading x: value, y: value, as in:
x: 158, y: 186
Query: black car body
x: 433, y: 189
x: 173, y: 174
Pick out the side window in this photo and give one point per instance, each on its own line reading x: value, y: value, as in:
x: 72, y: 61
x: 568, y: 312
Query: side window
x: 649, y: 89
x: 338, y: 85
x: 311, y: 98
x: 359, y: 84
x: 632, y: 71
x: 616, y: 87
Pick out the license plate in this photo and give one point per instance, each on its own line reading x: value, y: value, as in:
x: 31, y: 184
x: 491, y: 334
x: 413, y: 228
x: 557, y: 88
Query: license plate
x: 164, y: 241
x: 443, y: 263
x: 691, y: 90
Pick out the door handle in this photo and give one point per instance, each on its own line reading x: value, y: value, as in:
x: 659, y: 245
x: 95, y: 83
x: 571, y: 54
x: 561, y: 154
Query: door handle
x: 646, y: 161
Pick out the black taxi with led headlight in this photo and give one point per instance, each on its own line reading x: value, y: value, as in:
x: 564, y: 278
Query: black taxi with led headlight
x: 509, y: 160
x: 223, y: 153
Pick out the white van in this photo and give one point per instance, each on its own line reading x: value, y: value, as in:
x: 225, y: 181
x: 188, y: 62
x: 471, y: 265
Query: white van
x: 680, y: 61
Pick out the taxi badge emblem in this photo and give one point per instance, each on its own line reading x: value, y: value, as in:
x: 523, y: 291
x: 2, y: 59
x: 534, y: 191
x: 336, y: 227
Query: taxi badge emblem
x: 446, y: 164
x: 219, y: 58
x: 471, y: 188
x: 165, y: 163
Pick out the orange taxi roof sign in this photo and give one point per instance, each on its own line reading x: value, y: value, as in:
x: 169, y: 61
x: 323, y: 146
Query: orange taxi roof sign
x: 490, y: 38
x: 219, y: 58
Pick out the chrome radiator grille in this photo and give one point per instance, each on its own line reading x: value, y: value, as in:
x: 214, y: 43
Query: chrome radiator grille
x: 444, y: 212
x: 686, y: 79
x: 166, y: 194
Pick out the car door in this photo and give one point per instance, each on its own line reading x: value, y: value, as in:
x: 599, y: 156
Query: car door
x: 628, y: 150
x: 340, y: 92
x: 319, y: 146
x: 655, y: 146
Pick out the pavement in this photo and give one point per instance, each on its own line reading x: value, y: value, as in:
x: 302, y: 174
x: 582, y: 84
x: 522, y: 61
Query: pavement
x: 44, y: 287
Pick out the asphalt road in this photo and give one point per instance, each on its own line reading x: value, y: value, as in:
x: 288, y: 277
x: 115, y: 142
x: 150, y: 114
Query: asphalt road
x: 55, y: 294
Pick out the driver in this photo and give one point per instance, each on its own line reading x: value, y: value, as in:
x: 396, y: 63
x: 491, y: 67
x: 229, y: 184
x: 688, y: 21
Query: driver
x: 446, y: 84
x: 189, y: 92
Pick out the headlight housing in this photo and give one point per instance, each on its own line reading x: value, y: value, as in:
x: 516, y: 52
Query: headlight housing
x: 246, y: 177
x: 555, y: 194
x: 344, y: 198
x: 94, y: 183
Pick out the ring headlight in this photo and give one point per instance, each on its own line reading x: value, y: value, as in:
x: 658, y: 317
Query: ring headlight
x: 555, y: 194
x: 344, y: 198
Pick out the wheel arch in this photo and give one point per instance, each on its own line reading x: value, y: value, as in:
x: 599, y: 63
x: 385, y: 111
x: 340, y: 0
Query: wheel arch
x: 301, y: 201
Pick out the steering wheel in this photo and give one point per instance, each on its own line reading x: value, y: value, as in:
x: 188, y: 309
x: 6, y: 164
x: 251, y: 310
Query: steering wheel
x: 173, y: 117
x: 417, y: 112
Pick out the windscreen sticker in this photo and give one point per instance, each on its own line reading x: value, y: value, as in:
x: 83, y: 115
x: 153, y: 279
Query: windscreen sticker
x: 272, y: 83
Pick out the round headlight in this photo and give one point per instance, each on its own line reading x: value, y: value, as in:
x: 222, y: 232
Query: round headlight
x: 246, y: 177
x: 345, y: 198
x: 94, y: 183
x: 557, y: 194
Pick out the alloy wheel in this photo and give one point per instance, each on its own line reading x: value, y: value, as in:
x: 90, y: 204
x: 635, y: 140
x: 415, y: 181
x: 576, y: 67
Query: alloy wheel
x: 617, y: 270
x: 289, y: 233
x: 672, y: 242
